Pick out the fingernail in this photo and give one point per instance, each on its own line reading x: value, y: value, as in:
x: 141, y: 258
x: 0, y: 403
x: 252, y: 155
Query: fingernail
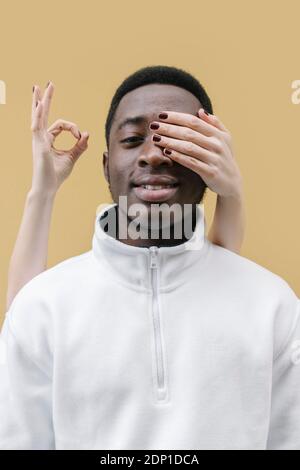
x: 206, y: 112
x: 156, y: 138
x: 33, y: 88
x: 154, y: 126
x: 163, y: 116
x: 47, y: 84
x: 167, y: 152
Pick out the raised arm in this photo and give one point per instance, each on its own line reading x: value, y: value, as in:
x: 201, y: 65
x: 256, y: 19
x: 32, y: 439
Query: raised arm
x: 50, y: 169
x: 228, y: 226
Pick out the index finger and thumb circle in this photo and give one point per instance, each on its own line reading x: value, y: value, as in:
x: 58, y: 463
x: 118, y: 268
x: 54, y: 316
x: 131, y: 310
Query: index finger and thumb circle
x: 61, y: 125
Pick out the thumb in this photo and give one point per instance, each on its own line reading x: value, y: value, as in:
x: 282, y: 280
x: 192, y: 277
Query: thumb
x: 80, y: 146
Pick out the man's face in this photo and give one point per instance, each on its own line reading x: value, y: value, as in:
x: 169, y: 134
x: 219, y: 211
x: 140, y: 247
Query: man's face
x: 130, y: 162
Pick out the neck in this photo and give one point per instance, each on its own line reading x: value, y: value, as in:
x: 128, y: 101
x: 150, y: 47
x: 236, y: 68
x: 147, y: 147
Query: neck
x: 186, y: 224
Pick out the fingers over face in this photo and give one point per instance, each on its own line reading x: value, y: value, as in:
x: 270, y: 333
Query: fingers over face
x: 189, y: 120
x: 186, y: 147
x: 200, y: 167
x: 186, y: 134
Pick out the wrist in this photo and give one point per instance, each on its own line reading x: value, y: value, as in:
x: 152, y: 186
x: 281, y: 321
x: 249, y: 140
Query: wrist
x: 235, y: 200
x: 41, y: 194
x: 236, y: 194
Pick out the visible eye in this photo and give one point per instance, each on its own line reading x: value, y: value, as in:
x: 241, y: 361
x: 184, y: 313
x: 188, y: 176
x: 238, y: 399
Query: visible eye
x: 130, y: 140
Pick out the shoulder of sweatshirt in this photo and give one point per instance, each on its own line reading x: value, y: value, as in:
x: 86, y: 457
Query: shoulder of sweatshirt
x: 29, y: 319
x: 235, y: 267
x: 48, y: 280
x: 64, y: 276
x: 259, y: 288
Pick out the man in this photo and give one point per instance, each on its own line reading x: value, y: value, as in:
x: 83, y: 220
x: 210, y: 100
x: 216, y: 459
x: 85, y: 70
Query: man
x: 152, y: 343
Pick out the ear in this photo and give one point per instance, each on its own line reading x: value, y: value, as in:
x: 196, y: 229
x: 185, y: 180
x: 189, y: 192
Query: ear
x: 105, y: 166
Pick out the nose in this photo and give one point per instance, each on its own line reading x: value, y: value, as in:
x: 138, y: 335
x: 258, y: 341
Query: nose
x: 153, y: 155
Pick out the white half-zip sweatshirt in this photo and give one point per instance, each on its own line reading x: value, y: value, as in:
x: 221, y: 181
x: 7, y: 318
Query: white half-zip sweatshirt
x: 122, y: 347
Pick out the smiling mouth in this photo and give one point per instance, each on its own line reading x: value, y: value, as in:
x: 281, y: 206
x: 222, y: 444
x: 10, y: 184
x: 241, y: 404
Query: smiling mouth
x: 155, y: 193
x: 156, y: 187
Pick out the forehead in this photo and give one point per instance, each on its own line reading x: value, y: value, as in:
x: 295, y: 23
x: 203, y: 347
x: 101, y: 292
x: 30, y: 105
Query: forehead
x: 149, y: 100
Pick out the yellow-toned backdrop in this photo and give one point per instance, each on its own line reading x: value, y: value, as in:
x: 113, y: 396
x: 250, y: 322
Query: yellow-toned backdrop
x: 244, y: 52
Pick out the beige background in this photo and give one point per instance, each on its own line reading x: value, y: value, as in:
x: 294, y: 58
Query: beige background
x: 245, y: 53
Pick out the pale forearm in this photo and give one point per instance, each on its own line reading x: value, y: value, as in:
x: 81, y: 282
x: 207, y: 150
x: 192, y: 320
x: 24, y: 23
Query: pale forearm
x: 228, y: 227
x: 30, y: 252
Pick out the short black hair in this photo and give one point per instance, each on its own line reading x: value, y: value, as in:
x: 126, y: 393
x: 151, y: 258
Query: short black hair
x: 157, y: 74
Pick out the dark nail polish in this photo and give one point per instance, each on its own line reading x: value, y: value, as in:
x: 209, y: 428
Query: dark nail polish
x: 163, y: 116
x: 154, y: 126
x: 168, y: 152
x: 156, y: 138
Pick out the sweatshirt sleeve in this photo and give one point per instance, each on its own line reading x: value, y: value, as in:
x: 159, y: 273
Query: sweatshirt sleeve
x: 25, y: 382
x: 284, y: 431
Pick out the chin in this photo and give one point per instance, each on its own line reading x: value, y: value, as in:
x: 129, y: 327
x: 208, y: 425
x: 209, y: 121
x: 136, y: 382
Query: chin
x: 159, y: 215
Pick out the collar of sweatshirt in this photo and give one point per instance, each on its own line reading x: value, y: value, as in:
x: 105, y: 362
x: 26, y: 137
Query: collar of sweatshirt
x: 135, y: 266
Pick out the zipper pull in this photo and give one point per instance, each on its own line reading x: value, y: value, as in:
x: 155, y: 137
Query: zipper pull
x: 153, y: 256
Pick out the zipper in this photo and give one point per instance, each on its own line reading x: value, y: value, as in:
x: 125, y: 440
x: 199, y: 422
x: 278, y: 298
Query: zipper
x: 161, y: 388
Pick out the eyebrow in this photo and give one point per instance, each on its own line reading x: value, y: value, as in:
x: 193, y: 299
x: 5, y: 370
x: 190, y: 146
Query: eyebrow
x: 135, y: 120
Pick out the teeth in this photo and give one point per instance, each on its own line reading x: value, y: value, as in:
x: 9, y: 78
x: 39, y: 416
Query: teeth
x: 149, y: 186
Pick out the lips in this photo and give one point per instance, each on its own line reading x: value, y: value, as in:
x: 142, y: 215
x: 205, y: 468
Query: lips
x: 155, y: 180
x: 155, y: 188
x: 155, y: 195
